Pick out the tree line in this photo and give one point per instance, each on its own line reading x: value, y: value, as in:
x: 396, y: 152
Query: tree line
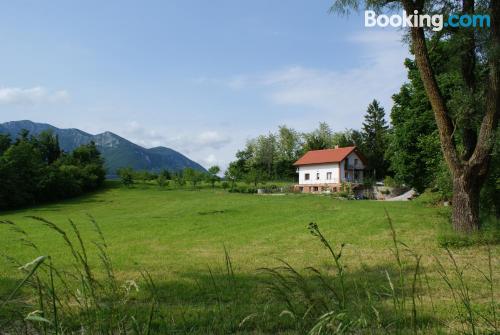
x: 270, y: 157
x: 34, y: 169
x: 129, y: 177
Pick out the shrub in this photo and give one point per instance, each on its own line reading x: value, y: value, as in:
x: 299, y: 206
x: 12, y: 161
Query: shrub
x: 126, y: 176
x: 162, y: 181
x: 389, y: 182
x: 243, y: 189
x: 488, y: 235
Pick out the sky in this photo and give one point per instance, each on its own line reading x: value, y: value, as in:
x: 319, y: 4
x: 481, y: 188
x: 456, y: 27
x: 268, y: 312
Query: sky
x: 201, y: 77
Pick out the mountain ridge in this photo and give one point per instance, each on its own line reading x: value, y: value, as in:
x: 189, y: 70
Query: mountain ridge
x: 116, y: 150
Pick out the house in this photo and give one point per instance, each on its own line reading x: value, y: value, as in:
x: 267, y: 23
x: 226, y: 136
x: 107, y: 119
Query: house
x: 327, y: 170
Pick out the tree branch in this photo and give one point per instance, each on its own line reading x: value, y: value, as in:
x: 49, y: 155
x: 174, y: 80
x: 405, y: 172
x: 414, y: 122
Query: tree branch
x: 490, y: 121
x: 443, y: 121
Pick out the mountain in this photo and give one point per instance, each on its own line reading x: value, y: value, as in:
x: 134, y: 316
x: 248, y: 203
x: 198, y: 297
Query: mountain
x: 117, y: 151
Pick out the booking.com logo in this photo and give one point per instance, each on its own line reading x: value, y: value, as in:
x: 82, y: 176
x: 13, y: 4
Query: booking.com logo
x: 436, y: 22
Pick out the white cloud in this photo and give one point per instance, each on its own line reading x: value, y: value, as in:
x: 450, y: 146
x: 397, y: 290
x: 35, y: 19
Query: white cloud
x: 338, y: 96
x: 31, y: 96
x: 212, y: 139
x: 148, y: 137
x: 198, y: 146
x: 210, y: 160
x: 143, y: 136
x: 344, y: 95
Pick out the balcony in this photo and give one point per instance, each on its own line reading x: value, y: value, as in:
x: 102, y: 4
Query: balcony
x: 353, y: 177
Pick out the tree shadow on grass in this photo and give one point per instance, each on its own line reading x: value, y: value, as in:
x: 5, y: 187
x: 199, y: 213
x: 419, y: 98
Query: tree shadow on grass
x: 219, y: 301
x: 58, y: 205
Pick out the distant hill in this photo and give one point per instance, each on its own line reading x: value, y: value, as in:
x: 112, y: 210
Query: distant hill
x: 117, y: 151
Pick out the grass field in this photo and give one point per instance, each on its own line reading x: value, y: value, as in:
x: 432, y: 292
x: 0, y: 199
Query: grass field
x: 179, y: 237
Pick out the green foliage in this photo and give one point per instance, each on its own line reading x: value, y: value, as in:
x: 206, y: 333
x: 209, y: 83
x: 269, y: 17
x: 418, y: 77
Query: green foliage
x: 443, y: 183
x: 212, y: 175
x: 234, y: 172
x: 126, y: 176
x: 243, y: 189
x: 488, y: 235
x: 414, y: 150
x: 145, y: 176
x: 375, y: 136
x: 271, y: 157
x: 33, y: 169
x: 162, y: 180
x: 5, y: 143
x: 193, y: 176
x: 490, y: 194
x: 320, y: 138
x: 349, y: 137
x: 178, y: 178
x: 390, y: 182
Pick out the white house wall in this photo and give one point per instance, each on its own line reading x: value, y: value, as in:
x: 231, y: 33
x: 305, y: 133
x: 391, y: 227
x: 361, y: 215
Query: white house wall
x: 322, y: 169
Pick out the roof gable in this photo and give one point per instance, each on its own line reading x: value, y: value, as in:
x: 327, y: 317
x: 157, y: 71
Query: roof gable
x: 325, y: 156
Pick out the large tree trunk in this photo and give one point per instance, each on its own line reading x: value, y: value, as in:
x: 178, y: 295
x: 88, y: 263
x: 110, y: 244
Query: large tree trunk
x: 469, y: 170
x: 465, y: 202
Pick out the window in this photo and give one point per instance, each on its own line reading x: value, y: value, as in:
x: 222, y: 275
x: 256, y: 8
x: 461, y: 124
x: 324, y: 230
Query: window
x: 315, y: 189
x: 328, y: 176
x: 355, y: 162
x: 317, y: 176
x: 306, y: 176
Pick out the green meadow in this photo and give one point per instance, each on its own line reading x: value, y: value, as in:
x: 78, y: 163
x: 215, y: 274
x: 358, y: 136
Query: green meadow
x: 217, y: 259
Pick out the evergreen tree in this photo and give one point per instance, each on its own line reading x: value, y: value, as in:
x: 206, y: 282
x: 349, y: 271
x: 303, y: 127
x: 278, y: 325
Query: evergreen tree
x: 375, y: 131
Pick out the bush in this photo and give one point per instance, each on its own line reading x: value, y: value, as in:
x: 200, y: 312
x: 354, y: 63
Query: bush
x: 162, y: 181
x: 488, y: 235
x: 243, y: 189
x: 389, y: 182
x: 342, y: 194
x: 126, y: 176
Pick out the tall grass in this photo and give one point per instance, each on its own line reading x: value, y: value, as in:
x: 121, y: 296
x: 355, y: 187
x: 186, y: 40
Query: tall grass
x: 397, y: 298
x: 346, y: 303
x: 72, y: 300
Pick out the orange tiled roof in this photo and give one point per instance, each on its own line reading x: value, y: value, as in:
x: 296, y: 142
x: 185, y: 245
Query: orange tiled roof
x: 325, y: 156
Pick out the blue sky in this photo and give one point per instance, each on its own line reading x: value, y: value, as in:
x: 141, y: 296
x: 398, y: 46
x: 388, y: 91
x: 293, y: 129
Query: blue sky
x: 199, y: 76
